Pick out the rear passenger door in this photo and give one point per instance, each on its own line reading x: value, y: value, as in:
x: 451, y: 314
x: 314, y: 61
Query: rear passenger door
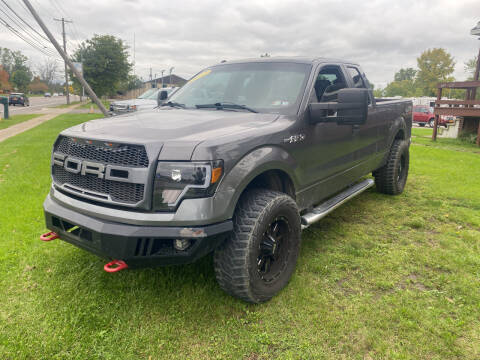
x: 368, y: 137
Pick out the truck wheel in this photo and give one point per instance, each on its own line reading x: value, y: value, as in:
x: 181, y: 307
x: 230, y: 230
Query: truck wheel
x: 392, y: 177
x: 431, y: 123
x: 258, y: 259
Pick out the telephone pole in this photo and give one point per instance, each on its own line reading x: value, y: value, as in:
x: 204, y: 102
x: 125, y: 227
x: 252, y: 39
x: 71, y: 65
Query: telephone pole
x: 62, y: 53
x: 65, y: 50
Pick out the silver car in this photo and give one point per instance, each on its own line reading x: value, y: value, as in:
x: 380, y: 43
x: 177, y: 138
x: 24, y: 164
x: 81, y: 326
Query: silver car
x: 148, y: 100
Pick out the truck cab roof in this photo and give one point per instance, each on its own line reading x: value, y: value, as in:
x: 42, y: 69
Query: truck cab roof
x: 292, y: 59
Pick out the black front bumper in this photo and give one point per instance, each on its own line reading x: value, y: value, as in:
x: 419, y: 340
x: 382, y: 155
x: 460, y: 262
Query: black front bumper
x: 138, y: 246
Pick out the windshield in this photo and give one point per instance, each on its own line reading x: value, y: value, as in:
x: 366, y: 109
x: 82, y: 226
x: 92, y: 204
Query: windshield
x: 264, y: 86
x: 147, y: 94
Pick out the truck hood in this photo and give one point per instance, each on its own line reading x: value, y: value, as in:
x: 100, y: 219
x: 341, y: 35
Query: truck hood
x: 181, y: 128
x: 138, y: 102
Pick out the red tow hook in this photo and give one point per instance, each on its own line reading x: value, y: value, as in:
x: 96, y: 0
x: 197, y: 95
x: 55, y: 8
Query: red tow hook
x: 119, y: 265
x: 49, y: 236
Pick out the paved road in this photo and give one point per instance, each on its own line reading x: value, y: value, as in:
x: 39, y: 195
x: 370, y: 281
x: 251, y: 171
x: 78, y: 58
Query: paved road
x: 37, y: 103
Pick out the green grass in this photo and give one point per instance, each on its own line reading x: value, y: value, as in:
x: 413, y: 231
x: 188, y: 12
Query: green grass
x: 380, y: 278
x: 423, y: 136
x: 87, y: 105
x: 16, y: 119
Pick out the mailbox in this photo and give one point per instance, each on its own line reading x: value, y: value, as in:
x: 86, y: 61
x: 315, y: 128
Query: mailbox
x: 4, y: 102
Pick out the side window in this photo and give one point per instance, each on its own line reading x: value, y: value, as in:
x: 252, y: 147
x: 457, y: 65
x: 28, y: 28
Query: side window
x: 329, y: 81
x: 356, y: 77
x: 358, y: 80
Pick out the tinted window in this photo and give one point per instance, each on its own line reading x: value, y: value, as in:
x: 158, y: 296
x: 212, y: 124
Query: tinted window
x: 356, y: 77
x: 329, y: 81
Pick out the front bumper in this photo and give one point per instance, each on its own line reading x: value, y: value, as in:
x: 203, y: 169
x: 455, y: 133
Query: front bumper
x: 138, y: 246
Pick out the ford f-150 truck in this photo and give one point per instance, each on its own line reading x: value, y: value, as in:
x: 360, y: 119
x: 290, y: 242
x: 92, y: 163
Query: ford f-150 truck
x: 236, y: 163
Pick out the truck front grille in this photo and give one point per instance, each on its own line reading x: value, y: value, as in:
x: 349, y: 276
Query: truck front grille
x: 106, y: 153
x: 103, y: 152
x: 121, y: 192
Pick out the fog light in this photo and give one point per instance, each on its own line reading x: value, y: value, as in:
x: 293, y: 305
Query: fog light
x: 181, y: 244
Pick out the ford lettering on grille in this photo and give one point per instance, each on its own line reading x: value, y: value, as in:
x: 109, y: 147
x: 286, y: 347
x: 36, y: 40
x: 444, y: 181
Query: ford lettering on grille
x: 108, y: 172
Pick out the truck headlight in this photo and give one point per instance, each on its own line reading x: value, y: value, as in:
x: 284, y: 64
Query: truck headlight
x: 175, y: 181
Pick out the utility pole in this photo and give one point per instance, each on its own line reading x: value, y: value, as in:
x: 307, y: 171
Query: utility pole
x: 162, y: 77
x: 65, y: 50
x: 65, y: 57
x: 171, y: 70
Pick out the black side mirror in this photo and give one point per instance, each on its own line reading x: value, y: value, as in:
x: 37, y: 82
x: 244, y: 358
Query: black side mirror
x: 162, y: 96
x: 351, y: 108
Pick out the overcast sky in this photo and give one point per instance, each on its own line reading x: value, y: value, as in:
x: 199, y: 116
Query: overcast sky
x: 382, y: 36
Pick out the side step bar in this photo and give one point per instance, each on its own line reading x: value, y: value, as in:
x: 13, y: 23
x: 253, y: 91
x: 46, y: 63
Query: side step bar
x: 331, y: 204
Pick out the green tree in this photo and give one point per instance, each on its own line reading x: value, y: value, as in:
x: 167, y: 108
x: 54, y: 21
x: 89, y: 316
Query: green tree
x: 434, y: 66
x: 405, y: 88
x: 12, y: 61
x: 405, y: 74
x: 470, y: 66
x: 21, y: 79
x: 105, y: 63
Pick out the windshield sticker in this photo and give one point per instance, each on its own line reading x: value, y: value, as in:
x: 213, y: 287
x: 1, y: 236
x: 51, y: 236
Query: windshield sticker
x: 280, y: 103
x: 202, y: 74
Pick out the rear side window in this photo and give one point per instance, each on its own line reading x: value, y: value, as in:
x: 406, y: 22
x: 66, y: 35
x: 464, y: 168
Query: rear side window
x: 356, y: 77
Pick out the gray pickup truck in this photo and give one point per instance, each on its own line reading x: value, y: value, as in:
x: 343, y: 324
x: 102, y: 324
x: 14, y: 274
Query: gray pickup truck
x: 237, y: 162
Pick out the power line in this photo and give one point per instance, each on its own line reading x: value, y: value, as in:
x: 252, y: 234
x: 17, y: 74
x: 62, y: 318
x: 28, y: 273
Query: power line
x: 18, y: 16
x: 18, y: 34
x: 15, y: 22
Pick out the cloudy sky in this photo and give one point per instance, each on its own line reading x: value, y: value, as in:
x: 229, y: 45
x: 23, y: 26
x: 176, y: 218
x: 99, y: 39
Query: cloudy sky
x: 381, y: 35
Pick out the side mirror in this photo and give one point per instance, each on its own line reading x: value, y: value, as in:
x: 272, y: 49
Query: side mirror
x: 162, y: 96
x: 351, y: 108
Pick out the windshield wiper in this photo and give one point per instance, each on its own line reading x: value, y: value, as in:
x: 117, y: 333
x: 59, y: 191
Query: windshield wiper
x: 173, y: 104
x: 225, y: 105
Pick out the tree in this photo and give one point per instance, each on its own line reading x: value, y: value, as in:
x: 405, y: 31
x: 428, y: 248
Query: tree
x: 470, y: 66
x: 405, y: 88
x: 12, y: 61
x: 48, y: 71
x: 434, y: 66
x: 4, y: 83
x: 21, y: 78
x: 105, y: 63
x: 405, y: 74
x: 38, y: 86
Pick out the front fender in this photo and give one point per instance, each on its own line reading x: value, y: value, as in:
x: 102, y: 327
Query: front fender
x: 249, y: 167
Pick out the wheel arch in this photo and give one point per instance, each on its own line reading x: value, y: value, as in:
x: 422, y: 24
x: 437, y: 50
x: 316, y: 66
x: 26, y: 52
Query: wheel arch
x: 267, y: 167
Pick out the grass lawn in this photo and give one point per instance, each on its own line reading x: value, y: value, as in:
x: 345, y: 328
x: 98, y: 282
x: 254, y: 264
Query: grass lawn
x: 87, y: 105
x: 381, y: 277
x: 16, y: 119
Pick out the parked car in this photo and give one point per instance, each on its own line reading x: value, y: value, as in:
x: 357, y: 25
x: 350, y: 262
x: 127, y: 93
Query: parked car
x: 148, y: 100
x: 47, y: 94
x: 56, y: 94
x: 18, y: 99
x: 423, y: 115
x: 237, y: 162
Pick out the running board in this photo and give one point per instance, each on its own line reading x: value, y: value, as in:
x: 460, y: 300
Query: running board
x: 331, y: 204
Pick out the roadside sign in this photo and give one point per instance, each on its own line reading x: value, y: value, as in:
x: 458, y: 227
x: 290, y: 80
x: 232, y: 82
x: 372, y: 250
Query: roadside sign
x: 79, y: 67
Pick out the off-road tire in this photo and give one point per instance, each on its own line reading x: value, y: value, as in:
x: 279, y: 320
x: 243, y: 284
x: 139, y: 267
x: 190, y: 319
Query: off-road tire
x: 392, y: 177
x: 236, y: 261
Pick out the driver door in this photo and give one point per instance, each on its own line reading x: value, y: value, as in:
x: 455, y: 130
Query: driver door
x: 330, y: 145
